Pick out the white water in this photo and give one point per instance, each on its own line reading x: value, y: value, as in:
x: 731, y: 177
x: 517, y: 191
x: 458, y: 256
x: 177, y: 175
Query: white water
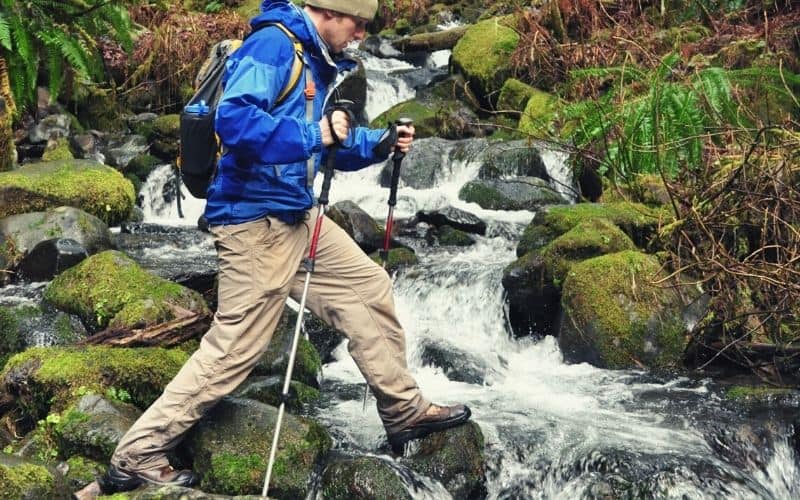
x: 539, y: 415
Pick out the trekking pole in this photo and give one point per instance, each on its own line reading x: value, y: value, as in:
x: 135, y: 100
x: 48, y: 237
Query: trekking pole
x: 397, y: 159
x: 308, y: 265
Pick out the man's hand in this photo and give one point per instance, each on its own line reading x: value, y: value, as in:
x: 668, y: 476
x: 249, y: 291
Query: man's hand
x: 341, y: 126
x: 405, y: 136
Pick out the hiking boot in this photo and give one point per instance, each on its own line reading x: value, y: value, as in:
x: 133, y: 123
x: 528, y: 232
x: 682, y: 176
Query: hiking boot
x: 116, y: 480
x: 436, y: 418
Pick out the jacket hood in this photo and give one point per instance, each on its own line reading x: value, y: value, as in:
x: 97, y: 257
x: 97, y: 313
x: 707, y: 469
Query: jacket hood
x: 291, y: 16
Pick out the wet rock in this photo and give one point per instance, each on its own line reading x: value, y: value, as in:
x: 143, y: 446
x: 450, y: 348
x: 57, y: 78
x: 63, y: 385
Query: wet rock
x: 121, y: 150
x: 49, y: 127
x: 455, y: 458
x: 47, y: 379
x: 323, y: 337
x: 520, y: 193
x: 231, y: 445
x: 532, y: 297
x: 97, y: 189
x: 110, y: 290
x: 447, y: 236
x: 23, y: 232
x: 346, y: 478
x: 456, y: 364
x: 359, y: 225
x: 268, y: 390
x: 94, y: 426
x: 453, y: 217
x: 614, y: 317
x: 307, y: 366
x: 22, y: 479
x: 512, y: 158
x: 51, y: 257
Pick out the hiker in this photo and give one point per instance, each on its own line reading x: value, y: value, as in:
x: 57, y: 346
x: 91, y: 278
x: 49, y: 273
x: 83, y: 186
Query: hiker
x: 260, y: 212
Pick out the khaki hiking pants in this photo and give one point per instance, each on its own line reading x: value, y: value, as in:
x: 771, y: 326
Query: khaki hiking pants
x: 260, y: 264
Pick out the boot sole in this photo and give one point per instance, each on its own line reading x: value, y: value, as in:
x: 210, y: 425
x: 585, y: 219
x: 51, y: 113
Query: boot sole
x: 117, y: 481
x: 397, y: 441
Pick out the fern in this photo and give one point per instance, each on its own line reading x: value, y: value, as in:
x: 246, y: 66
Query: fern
x: 58, y: 37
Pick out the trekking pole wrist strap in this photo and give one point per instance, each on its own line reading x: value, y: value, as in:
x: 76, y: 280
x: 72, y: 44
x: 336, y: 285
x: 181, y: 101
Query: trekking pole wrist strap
x: 345, y: 107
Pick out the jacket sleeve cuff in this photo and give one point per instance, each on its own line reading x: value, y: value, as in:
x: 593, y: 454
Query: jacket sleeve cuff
x: 315, y: 136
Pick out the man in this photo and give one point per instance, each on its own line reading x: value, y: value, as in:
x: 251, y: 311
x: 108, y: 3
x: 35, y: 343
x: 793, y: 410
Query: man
x: 260, y: 212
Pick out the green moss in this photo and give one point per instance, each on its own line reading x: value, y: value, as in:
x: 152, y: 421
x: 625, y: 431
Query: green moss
x: 26, y: 481
x: 96, y: 189
x: 60, y: 152
x: 482, y: 194
x: 424, y: 117
x: 110, y: 289
x: 588, y: 239
x: 610, y: 299
x: 235, y: 474
x: 539, y: 113
x: 484, y: 53
x: 515, y: 95
x: 82, y: 471
x: 11, y: 336
x: 346, y: 479
x: 167, y: 125
x: 750, y: 393
x: 454, y: 237
x: 57, y: 376
x: 638, y: 221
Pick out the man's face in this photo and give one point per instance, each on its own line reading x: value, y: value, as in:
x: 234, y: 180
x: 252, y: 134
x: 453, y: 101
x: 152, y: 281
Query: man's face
x: 341, y: 29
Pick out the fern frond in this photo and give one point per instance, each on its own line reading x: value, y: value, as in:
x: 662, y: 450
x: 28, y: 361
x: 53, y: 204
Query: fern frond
x: 5, y: 31
x: 55, y: 72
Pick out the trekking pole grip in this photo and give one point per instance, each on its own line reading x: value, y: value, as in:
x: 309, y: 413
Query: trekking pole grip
x: 397, y: 159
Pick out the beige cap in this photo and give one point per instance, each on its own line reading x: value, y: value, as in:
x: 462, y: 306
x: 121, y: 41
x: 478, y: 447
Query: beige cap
x: 359, y: 8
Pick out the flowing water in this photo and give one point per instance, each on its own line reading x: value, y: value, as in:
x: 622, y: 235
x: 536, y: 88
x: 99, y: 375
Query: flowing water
x: 552, y: 430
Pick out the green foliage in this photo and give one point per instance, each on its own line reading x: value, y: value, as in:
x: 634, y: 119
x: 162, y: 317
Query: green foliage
x: 659, y: 121
x: 57, y: 39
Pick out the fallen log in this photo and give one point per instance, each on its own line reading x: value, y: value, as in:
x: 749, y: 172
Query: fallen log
x: 164, y: 334
x: 438, y: 40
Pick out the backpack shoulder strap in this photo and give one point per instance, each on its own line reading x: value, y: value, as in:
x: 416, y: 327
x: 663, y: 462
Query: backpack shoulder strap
x: 297, y: 66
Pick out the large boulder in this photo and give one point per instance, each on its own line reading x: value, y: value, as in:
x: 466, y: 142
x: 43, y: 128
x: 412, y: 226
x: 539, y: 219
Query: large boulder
x: 533, y: 282
x: 307, y: 364
x: 110, y: 290
x: 359, y: 225
x: 21, y: 233
x: 421, y: 165
x: 453, y: 217
x: 638, y: 221
x: 511, y: 159
x: 97, y: 189
x: 483, y: 55
x: 364, y: 478
x: 24, y: 480
x: 231, y: 445
x: 455, y: 458
x: 615, y: 317
x: 50, y: 378
x: 521, y: 193
x: 94, y: 426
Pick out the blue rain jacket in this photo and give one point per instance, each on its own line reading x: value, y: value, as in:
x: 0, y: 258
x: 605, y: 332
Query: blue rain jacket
x: 263, y: 168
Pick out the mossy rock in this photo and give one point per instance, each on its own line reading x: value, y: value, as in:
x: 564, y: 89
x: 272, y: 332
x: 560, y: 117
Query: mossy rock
x: 614, y: 317
x: 59, y: 151
x: 483, y: 55
x: 397, y: 259
x: 425, y: 123
x: 638, y: 221
x: 23, y: 480
x: 362, y: 478
x: 520, y: 193
x: 455, y: 458
x: 269, y: 390
x: 449, y: 236
x: 590, y: 238
x: 82, y: 471
x: 19, y: 234
x: 141, y: 166
x: 231, y: 445
x: 307, y: 364
x: 94, y: 426
x: 51, y: 378
x: 537, y: 117
x: 11, y: 333
x: 648, y: 189
x: 515, y: 95
x: 97, y: 189
x: 110, y: 290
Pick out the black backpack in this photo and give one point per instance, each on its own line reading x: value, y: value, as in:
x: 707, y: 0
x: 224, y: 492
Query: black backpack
x: 199, y: 144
